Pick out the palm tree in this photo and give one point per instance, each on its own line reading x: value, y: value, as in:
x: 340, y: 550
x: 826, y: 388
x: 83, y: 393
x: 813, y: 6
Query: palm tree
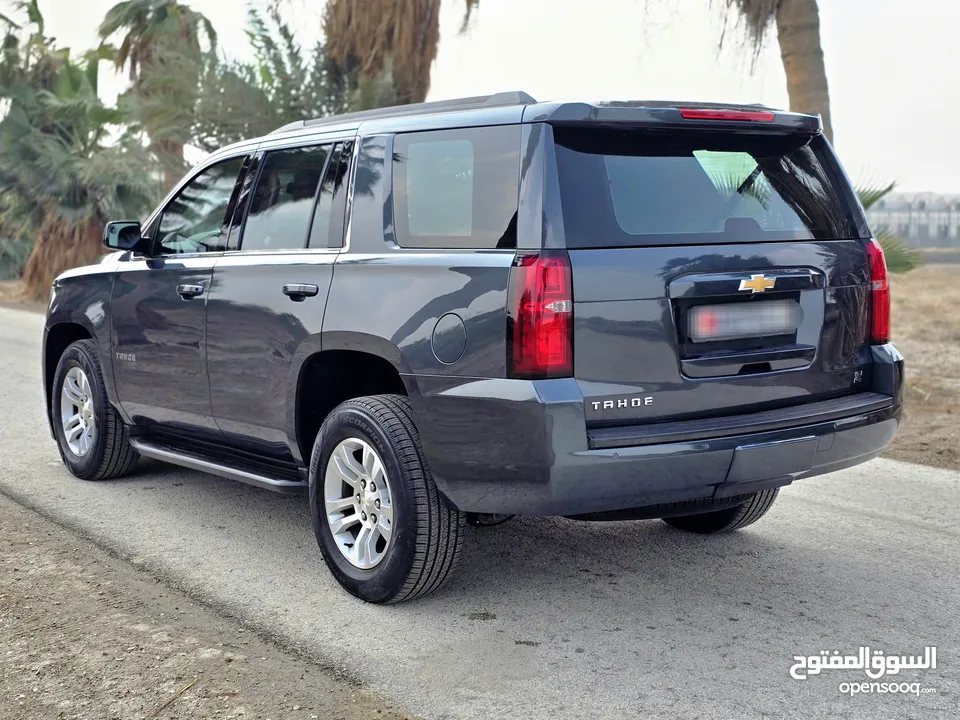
x: 155, y: 34
x: 798, y: 32
x: 373, y: 42
x: 284, y: 82
x: 60, y: 176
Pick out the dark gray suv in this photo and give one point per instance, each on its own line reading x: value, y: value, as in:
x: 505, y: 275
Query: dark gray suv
x: 465, y: 310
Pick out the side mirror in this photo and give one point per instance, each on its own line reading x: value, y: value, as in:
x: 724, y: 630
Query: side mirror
x: 125, y: 235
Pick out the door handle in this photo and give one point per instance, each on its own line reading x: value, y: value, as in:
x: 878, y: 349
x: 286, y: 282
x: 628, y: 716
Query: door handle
x: 300, y: 291
x: 188, y: 291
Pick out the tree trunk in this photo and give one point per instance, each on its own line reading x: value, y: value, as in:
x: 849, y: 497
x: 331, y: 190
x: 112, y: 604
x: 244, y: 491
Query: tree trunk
x: 367, y: 37
x: 60, y: 246
x: 170, y: 153
x: 798, y: 27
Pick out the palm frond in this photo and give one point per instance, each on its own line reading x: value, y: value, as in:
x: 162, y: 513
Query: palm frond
x: 900, y: 257
x: 756, y: 16
x: 872, y: 193
x: 471, y: 6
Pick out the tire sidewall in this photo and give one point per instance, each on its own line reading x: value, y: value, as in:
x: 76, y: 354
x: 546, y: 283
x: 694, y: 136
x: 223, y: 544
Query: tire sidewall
x: 84, y: 467
x: 381, y: 583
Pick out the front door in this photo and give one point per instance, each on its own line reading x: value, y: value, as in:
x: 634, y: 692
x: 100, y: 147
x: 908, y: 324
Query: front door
x: 159, y: 305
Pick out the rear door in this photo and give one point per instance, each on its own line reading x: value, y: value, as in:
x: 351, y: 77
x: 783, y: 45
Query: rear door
x: 270, y: 289
x: 714, y: 272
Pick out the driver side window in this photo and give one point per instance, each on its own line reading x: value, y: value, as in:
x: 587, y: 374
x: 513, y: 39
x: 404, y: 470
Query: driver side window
x: 196, y: 220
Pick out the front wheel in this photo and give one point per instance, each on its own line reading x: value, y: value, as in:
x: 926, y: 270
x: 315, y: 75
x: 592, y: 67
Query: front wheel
x: 90, y: 433
x: 383, y: 529
x: 728, y: 519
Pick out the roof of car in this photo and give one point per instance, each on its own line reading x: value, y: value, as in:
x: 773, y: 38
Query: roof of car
x: 518, y: 106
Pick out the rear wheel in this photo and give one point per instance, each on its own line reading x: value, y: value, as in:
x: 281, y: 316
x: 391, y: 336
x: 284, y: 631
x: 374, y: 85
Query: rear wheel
x: 91, y: 436
x: 728, y: 519
x: 383, y: 529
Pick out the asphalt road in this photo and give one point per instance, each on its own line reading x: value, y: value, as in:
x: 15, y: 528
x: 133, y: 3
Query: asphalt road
x: 941, y: 257
x: 553, y: 618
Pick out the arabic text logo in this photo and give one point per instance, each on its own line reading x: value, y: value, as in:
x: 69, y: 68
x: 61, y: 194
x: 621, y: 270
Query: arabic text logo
x: 873, y: 662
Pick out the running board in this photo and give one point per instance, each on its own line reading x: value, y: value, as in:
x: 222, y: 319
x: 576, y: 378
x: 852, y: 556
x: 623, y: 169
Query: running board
x: 287, y: 487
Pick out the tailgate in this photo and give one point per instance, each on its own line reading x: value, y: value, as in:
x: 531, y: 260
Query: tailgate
x: 714, y: 274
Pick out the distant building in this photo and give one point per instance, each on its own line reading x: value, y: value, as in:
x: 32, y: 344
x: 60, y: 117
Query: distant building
x: 919, y: 219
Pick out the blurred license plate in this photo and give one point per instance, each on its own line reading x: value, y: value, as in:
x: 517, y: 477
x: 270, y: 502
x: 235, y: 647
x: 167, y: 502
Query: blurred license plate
x: 709, y: 323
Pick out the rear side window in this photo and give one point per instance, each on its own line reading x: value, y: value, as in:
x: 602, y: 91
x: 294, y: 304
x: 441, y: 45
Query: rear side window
x: 457, y: 188
x: 633, y: 187
x: 282, y: 203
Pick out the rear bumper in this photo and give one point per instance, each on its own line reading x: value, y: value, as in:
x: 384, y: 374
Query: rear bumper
x: 507, y: 446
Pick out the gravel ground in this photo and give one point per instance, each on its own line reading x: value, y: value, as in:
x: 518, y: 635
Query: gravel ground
x: 84, y: 636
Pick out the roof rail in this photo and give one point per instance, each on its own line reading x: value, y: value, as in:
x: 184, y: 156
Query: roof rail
x: 513, y: 97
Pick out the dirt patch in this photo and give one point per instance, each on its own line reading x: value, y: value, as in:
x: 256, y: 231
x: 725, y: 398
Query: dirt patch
x: 86, y: 636
x: 926, y: 329
x: 13, y: 294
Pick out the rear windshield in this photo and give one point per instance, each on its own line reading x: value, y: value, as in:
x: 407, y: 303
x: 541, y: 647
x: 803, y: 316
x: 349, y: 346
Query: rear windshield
x: 639, y: 187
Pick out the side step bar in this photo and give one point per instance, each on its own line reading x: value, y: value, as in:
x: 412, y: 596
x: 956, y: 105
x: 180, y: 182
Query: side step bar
x: 287, y: 487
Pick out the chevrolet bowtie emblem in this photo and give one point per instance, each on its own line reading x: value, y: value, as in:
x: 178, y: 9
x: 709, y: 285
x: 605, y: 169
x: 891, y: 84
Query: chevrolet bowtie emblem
x: 757, y: 283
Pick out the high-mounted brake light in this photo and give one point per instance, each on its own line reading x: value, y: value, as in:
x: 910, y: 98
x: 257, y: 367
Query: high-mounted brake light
x: 879, y: 294
x: 710, y: 114
x: 540, y: 316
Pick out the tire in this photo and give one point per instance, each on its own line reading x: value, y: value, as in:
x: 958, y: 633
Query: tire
x: 426, y: 535
x: 729, y: 519
x: 107, y: 454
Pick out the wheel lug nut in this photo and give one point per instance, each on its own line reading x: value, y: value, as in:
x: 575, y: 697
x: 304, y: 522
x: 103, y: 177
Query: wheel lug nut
x: 363, y: 483
x: 377, y: 503
x: 373, y: 519
x: 363, y: 516
x: 373, y: 487
x: 358, y: 497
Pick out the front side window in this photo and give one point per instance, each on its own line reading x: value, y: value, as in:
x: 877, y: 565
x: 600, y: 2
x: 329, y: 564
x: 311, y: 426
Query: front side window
x: 457, y: 188
x: 282, y: 203
x: 195, y: 220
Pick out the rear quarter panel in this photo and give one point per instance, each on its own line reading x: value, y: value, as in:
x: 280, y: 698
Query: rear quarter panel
x: 385, y: 295
x: 409, y: 306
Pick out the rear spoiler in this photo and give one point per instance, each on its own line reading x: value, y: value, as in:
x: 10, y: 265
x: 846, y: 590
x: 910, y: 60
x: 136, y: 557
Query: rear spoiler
x: 694, y: 115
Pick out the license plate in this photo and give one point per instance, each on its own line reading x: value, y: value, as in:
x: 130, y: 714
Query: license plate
x: 733, y: 321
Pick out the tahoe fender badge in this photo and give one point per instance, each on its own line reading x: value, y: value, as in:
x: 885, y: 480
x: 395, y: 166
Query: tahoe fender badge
x: 129, y: 357
x: 622, y: 403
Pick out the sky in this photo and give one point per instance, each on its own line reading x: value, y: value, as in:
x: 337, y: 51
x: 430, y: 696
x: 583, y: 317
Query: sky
x: 893, y: 66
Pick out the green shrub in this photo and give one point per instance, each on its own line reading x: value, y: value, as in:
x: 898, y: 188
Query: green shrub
x: 13, y: 256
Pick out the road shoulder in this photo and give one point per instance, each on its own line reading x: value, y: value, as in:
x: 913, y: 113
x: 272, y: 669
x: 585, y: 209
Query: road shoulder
x: 86, y: 635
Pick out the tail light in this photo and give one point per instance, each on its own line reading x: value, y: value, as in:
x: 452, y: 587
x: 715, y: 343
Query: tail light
x: 540, y: 316
x: 879, y: 294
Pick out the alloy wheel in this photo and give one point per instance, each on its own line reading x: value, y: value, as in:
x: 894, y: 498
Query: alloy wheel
x: 358, y: 503
x: 77, y: 415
